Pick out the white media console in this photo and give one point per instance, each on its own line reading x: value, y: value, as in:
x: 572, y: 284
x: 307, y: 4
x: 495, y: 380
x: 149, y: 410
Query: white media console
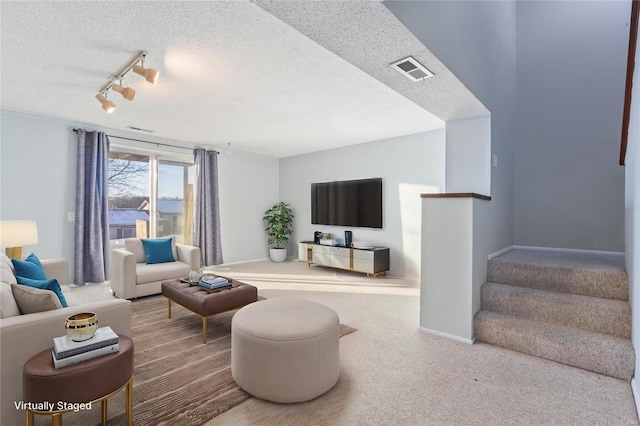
x: 371, y: 261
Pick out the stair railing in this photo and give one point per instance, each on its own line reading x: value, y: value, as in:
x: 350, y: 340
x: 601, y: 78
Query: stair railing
x: 631, y: 57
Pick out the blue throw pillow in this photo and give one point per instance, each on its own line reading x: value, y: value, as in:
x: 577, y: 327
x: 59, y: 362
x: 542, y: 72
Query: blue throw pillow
x: 158, y: 251
x: 45, y: 284
x: 29, y: 268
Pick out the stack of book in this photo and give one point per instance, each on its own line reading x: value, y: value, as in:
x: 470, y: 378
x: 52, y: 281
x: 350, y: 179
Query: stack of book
x: 217, y: 283
x: 67, y: 352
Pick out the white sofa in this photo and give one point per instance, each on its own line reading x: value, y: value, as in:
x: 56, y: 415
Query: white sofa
x: 22, y: 336
x: 132, y: 277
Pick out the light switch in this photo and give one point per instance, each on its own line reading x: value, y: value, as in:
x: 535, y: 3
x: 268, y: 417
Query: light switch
x: 495, y: 160
x: 71, y: 217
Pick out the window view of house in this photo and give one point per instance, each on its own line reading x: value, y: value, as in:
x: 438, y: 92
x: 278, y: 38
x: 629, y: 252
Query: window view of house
x: 135, y: 210
x: 175, y: 200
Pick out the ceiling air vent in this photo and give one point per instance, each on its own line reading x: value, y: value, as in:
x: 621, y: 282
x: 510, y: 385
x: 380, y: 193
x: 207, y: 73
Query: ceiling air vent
x: 139, y: 129
x: 412, y: 69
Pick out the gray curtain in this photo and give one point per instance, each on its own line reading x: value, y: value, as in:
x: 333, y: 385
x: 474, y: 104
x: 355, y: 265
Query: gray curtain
x: 206, y: 224
x: 91, y: 252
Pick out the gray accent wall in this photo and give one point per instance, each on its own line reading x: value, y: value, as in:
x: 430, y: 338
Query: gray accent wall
x: 556, y: 138
x: 571, y: 65
x: 408, y: 165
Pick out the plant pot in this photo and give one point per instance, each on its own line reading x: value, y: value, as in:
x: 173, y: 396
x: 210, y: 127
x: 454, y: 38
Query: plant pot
x: 278, y: 254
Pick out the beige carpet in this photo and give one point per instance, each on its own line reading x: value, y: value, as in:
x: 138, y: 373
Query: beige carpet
x: 564, y: 306
x: 393, y: 374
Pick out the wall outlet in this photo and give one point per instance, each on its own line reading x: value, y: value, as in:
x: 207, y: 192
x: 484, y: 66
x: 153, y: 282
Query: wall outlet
x: 495, y: 160
x: 71, y: 217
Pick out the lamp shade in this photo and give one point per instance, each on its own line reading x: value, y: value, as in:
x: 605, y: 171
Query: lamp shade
x: 107, y: 105
x: 127, y: 92
x: 149, y: 74
x: 17, y: 233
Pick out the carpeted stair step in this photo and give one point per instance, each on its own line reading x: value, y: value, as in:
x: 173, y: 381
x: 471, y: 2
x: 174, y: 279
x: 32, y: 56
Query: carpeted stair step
x: 588, y: 274
x: 600, y: 353
x: 592, y: 314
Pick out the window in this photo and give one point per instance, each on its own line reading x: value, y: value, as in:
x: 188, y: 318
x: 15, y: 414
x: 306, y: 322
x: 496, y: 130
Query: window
x: 150, y: 196
x: 175, y: 200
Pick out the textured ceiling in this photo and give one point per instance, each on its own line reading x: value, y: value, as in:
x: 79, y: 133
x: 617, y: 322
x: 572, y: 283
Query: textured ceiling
x: 369, y: 36
x: 230, y: 72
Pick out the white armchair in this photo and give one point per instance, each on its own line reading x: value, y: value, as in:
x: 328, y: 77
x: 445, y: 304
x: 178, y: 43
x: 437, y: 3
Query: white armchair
x: 132, y: 277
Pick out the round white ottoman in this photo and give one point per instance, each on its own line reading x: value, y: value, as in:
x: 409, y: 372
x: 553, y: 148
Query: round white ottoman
x: 285, y: 350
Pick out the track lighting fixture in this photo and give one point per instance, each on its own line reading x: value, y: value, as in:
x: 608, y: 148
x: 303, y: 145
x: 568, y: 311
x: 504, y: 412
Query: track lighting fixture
x: 107, y: 105
x: 127, y: 92
x: 137, y: 65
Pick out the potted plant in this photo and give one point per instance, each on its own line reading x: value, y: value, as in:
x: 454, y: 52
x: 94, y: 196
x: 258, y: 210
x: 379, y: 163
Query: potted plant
x: 279, y: 219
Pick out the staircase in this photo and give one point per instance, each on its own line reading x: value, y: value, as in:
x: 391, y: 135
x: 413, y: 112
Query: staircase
x: 564, y: 306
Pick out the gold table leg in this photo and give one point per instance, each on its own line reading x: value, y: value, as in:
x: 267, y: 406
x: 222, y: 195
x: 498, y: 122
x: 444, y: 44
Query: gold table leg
x: 204, y: 330
x: 130, y: 402
x: 56, y: 419
x: 56, y: 416
x: 169, y: 306
x: 104, y: 410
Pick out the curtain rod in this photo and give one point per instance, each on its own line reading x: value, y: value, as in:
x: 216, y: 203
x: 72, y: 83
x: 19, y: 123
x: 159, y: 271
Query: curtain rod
x: 140, y: 140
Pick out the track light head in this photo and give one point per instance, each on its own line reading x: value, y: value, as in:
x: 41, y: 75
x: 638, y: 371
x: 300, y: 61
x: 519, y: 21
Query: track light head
x: 149, y: 74
x: 127, y: 92
x: 107, y: 105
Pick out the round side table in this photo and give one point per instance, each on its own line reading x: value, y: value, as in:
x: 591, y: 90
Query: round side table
x: 89, y: 381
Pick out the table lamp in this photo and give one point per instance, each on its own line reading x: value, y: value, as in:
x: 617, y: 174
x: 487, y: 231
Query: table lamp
x: 17, y: 233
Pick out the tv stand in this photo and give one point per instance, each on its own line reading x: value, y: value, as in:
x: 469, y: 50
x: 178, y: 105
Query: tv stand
x: 371, y: 261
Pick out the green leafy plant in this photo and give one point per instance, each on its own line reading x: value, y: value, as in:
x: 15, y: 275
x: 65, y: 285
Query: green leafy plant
x: 279, y: 219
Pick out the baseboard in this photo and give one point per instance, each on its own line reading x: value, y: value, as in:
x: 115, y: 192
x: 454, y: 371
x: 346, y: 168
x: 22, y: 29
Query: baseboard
x: 289, y: 258
x: 636, y: 396
x: 447, y: 335
x: 236, y: 263
x: 514, y: 247
x: 567, y: 250
x: 500, y: 252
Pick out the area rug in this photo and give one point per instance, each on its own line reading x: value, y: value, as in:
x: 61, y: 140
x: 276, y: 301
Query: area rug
x: 177, y: 379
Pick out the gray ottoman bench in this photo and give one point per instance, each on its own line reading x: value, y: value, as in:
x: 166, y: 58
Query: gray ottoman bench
x: 285, y: 350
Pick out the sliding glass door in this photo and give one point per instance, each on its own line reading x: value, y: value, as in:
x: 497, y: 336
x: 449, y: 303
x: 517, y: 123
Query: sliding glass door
x: 175, y: 195
x: 150, y: 197
x: 129, y: 177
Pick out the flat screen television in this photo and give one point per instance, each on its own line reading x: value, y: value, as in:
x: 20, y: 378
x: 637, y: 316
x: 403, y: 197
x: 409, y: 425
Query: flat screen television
x: 355, y: 203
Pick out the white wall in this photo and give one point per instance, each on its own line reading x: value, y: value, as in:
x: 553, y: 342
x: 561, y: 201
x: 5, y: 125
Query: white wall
x: 453, y: 272
x: 632, y: 218
x: 37, y: 181
x: 248, y: 187
x: 409, y: 165
x: 469, y: 155
x: 447, y: 256
x: 571, y: 64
